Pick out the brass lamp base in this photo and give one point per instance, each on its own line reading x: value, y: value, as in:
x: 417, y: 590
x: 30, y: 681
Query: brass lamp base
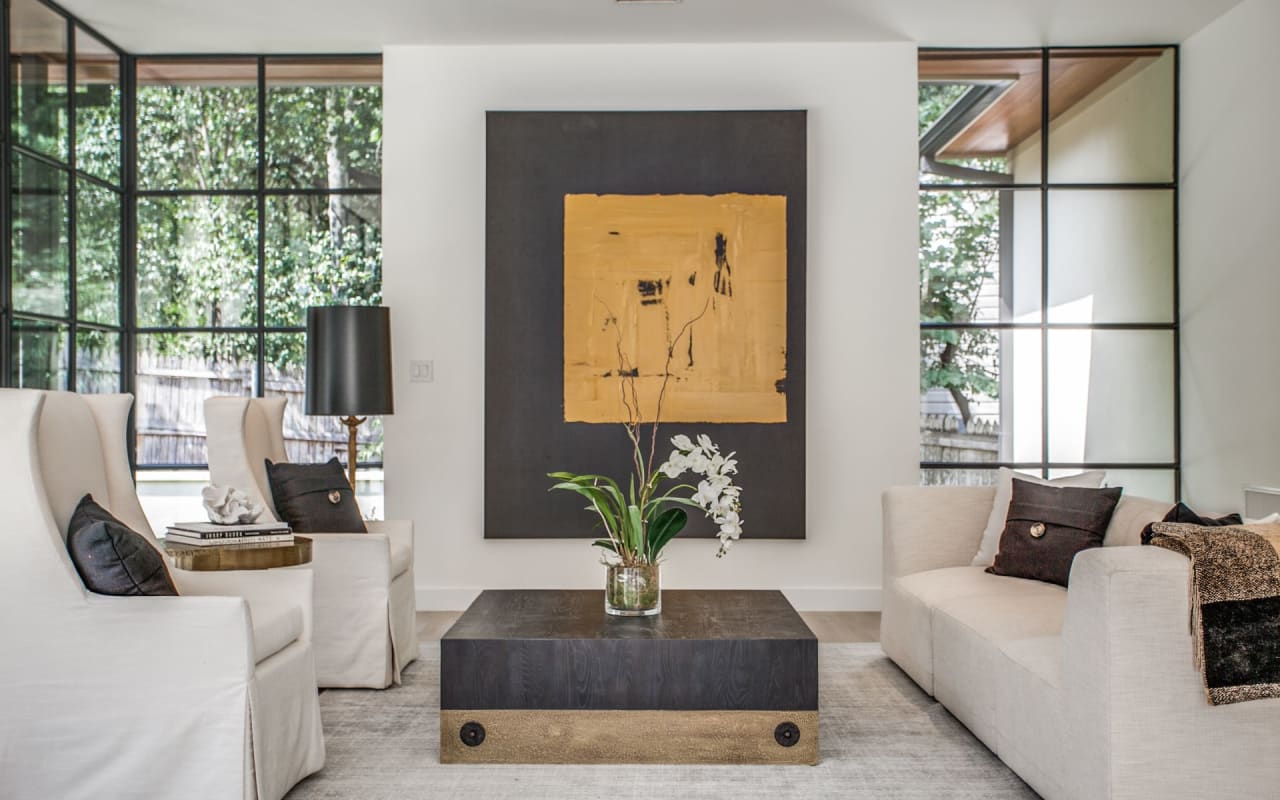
x: 352, y: 422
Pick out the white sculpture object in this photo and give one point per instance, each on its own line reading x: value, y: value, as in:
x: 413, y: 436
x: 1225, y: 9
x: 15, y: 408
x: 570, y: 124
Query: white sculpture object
x: 226, y: 505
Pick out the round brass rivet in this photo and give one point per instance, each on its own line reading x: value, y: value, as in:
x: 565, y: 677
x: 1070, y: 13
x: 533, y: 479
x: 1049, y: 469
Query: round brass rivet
x: 335, y: 497
x: 1037, y: 530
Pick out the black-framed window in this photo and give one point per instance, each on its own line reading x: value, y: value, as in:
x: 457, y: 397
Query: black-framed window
x: 258, y: 195
x: 165, y: 221
x: 1048, y: 264
x: 63, y: 203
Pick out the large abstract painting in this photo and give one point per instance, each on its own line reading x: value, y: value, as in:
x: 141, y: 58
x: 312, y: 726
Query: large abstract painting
x: 636, y: 259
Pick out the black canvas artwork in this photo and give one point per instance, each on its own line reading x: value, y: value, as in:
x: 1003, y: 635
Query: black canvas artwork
x: 606, y: 232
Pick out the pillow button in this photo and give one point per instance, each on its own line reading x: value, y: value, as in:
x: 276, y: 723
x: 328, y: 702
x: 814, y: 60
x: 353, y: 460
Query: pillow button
x: 1037, y: 530
x: 335, y: 497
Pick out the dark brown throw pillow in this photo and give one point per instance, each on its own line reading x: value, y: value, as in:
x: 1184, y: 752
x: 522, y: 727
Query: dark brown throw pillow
x: 315, y: 498
x: 1048, y: 525
x: 111, y: 557
x: 1182, y: 513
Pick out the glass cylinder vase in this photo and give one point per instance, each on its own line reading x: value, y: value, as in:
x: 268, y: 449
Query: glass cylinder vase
x: 632, y: 591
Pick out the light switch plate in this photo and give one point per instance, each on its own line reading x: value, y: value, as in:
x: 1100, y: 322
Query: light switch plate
x: 422, y: 371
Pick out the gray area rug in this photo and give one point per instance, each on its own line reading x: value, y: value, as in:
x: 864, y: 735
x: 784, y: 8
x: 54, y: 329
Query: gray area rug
x: 881, y: 737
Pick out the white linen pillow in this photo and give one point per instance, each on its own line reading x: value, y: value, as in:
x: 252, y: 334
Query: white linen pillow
x: 1270, y: 519
x: 986, y: 554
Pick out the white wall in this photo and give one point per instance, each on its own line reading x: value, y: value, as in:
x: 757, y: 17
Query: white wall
x: 863, y: 351
x: 1230, y: 268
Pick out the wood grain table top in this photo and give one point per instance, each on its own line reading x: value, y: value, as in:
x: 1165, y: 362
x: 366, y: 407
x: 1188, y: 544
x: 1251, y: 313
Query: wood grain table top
x: 699, y: 614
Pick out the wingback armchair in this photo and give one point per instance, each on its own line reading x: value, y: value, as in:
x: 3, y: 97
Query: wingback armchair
x: 365, y: 630
x: 208, y: 694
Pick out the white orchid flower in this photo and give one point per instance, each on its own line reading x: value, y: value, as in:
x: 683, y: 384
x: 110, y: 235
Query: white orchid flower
x: 675, y: 466
x: 719, y: 483
x: 682, y: 443
x: 706, y: 495
x: 730, y: 525
x: 697, y: 462
x: 708, y: 446
x: 725, y: 544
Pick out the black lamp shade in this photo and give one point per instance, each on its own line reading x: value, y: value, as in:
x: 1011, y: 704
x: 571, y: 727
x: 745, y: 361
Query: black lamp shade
x: 349, y: 360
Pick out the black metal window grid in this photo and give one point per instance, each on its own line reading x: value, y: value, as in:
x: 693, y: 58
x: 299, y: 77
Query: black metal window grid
x: 964, y: 179
x: 128, y: 192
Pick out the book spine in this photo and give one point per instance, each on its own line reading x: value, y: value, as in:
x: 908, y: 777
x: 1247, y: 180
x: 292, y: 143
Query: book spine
x: 272, y: 538
x: 229, y: 534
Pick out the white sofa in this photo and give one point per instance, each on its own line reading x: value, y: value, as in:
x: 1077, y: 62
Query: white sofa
x: 1086, y: 693
x: 211, y: 694
x: 366, y: 629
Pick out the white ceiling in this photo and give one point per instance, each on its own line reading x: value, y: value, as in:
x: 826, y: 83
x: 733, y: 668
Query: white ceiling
x: 279, y: 26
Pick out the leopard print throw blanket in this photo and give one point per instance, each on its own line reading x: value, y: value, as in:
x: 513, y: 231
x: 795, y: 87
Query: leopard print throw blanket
x: 1235, y: 605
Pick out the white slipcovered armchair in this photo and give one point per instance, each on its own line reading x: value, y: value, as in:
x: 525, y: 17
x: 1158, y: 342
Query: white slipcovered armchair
x: 208, y: 694
x: 365, y: 627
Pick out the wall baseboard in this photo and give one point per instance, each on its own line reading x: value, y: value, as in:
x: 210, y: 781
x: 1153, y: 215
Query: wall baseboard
x: 457, y: 598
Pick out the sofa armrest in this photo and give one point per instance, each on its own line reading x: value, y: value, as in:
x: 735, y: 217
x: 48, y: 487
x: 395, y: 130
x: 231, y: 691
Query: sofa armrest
x: 931, y: 527
x: 294, y: 586
x: 1134, y: 695
x: 398, y: 530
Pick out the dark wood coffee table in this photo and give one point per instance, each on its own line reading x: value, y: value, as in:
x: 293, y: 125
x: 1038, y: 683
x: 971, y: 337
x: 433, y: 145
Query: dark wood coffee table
x: 547, y: 677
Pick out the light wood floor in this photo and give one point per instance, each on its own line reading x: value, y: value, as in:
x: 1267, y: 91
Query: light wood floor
x: 831, y: 627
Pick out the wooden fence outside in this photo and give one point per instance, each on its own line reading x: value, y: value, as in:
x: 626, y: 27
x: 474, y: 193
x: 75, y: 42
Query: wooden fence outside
x: 170, y: 416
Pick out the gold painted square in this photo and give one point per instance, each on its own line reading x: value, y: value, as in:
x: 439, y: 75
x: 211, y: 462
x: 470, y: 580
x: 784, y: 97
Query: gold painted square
x: 637, y: 268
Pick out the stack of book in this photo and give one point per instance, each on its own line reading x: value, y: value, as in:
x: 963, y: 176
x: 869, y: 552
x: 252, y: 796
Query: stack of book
x: 202, y: 534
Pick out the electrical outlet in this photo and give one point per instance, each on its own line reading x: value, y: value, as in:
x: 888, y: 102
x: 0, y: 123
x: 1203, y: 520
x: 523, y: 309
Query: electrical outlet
x: 422, y: 371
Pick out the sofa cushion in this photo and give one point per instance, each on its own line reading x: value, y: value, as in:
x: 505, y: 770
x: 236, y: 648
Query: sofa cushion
x: 970, y: 666
x: 113, y: 559
x: 277, y: 623
x: 401, y: 555
x: 314, y: 498
x: 906, y: 631
x: 1048, y: 525
x: 1000, y: 506
x: 1133, y: 513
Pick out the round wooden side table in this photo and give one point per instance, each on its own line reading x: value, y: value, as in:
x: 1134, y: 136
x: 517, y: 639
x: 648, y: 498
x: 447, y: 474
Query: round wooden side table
x: 214, y: 558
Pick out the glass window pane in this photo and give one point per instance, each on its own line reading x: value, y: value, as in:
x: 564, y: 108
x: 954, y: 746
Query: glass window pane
x: 1157, y: 484
x: 321, y: 250
x: 324, y: 122
x: 171, y: 495
x: 197, y: 123
x: 979, y: 116
x: 98, y: 219
x: 38, y: 79
x: 1110, y: 396
x: 311, y: 439
x: 1112, y: 115
x: 97, y: 108
x: 980, y: 395
x: 175, y: 373
x: 97, y: 361
x: 39, y: 355
x: 980, y: 256
x: 41, y: 266
x: 197, y: 259
x: 1111, y: 256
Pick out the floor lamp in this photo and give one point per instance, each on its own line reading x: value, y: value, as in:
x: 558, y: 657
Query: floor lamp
x: 349, y: 367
